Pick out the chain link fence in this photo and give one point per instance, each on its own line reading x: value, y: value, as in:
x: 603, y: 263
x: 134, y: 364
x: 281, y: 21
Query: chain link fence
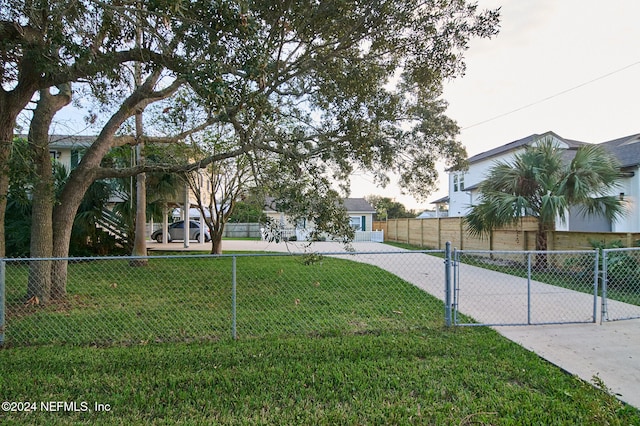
x: 203, y: 298
x: 523, y: 288
x: 621, y: 284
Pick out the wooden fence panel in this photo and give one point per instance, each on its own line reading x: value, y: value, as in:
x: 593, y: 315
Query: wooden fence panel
x: 569, y: 240
x: 431, y: 234
x: 435, y: 232
x: 416, y: 236
x: 508, y: 239
x: 451, y: 230
x: 403, y: 230
x: 379, y: 225
x: 525, y: 224
x: 476, y: 243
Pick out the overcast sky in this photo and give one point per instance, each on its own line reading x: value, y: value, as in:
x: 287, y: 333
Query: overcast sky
x: 569, y: 66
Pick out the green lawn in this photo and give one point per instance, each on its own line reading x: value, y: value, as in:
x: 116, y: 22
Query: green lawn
x: 462, y: 376
x: 190, y: 298
x: 328, y: 343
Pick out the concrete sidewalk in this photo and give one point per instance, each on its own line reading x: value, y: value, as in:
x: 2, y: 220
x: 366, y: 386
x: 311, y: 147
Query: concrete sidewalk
x: 610, y: 351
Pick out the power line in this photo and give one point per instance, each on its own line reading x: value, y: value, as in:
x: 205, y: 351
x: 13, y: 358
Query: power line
x: 552, y: 96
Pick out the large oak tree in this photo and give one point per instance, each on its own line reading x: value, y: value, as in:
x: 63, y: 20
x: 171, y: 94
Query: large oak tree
x: 325, y: 86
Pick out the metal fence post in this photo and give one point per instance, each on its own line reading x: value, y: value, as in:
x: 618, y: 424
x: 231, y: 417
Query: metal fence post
x: 603, y: 312
x: 529, y: 287
x: 596, y: 271
x: 447, y: 284
x: 2, y: 300
x: 234, y: 333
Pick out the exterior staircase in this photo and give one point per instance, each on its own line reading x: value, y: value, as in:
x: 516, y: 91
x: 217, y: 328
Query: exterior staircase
x: 112, y: 224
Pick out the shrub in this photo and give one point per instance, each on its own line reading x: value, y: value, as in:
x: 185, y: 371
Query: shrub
x: 623, y: 269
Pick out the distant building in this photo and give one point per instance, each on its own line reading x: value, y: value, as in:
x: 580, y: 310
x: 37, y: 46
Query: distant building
x: 464, y: 185
x: 359, y: 210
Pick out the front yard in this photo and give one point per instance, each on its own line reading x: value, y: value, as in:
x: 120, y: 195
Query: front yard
x: 321, y: 341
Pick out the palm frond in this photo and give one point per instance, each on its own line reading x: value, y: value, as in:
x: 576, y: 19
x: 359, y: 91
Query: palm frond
x: 609, y: 206
x: 593, y: 172
x: 495, y: 211
x: 539, y: 182
x: 553, y: 206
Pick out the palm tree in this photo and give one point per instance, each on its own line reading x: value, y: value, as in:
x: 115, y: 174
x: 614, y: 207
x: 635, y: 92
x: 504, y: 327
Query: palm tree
x: 540, y: 182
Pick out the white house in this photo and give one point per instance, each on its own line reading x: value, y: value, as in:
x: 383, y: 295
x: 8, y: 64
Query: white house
x: 464, y: 193
x: 441, y: 210
x: 68, y: 150
x: 627, y: 151
x: 360, y: 214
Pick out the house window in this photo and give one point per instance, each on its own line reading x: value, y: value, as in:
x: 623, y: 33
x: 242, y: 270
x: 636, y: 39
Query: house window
x: 458, y: 182
x: 75, y: 158
x: 355, y: 222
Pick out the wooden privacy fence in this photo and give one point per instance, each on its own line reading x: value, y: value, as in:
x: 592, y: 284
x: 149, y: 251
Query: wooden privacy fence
x: 433, y: 233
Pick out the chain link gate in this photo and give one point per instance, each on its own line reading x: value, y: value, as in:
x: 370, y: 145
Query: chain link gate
x: 524, y: 287
x: 620, y: 284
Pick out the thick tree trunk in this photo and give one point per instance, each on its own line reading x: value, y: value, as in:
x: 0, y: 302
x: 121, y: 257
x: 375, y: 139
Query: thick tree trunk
x: 541, y: 237
x: 140, y: 237
x: 216, y: 242
x: 6, y: 139
x: 72, y: 194
x: 41, y: 244
x: 11, y: 104
x: 39, y: 283
x: 63, y: 216
x: 541, y: 245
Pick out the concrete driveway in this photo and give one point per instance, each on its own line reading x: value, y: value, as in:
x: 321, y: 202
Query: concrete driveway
x: 610, y: 351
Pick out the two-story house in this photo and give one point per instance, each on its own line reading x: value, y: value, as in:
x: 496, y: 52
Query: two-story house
x: 627, y: 151
x: 464, y: 185
x: 68, y: 150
